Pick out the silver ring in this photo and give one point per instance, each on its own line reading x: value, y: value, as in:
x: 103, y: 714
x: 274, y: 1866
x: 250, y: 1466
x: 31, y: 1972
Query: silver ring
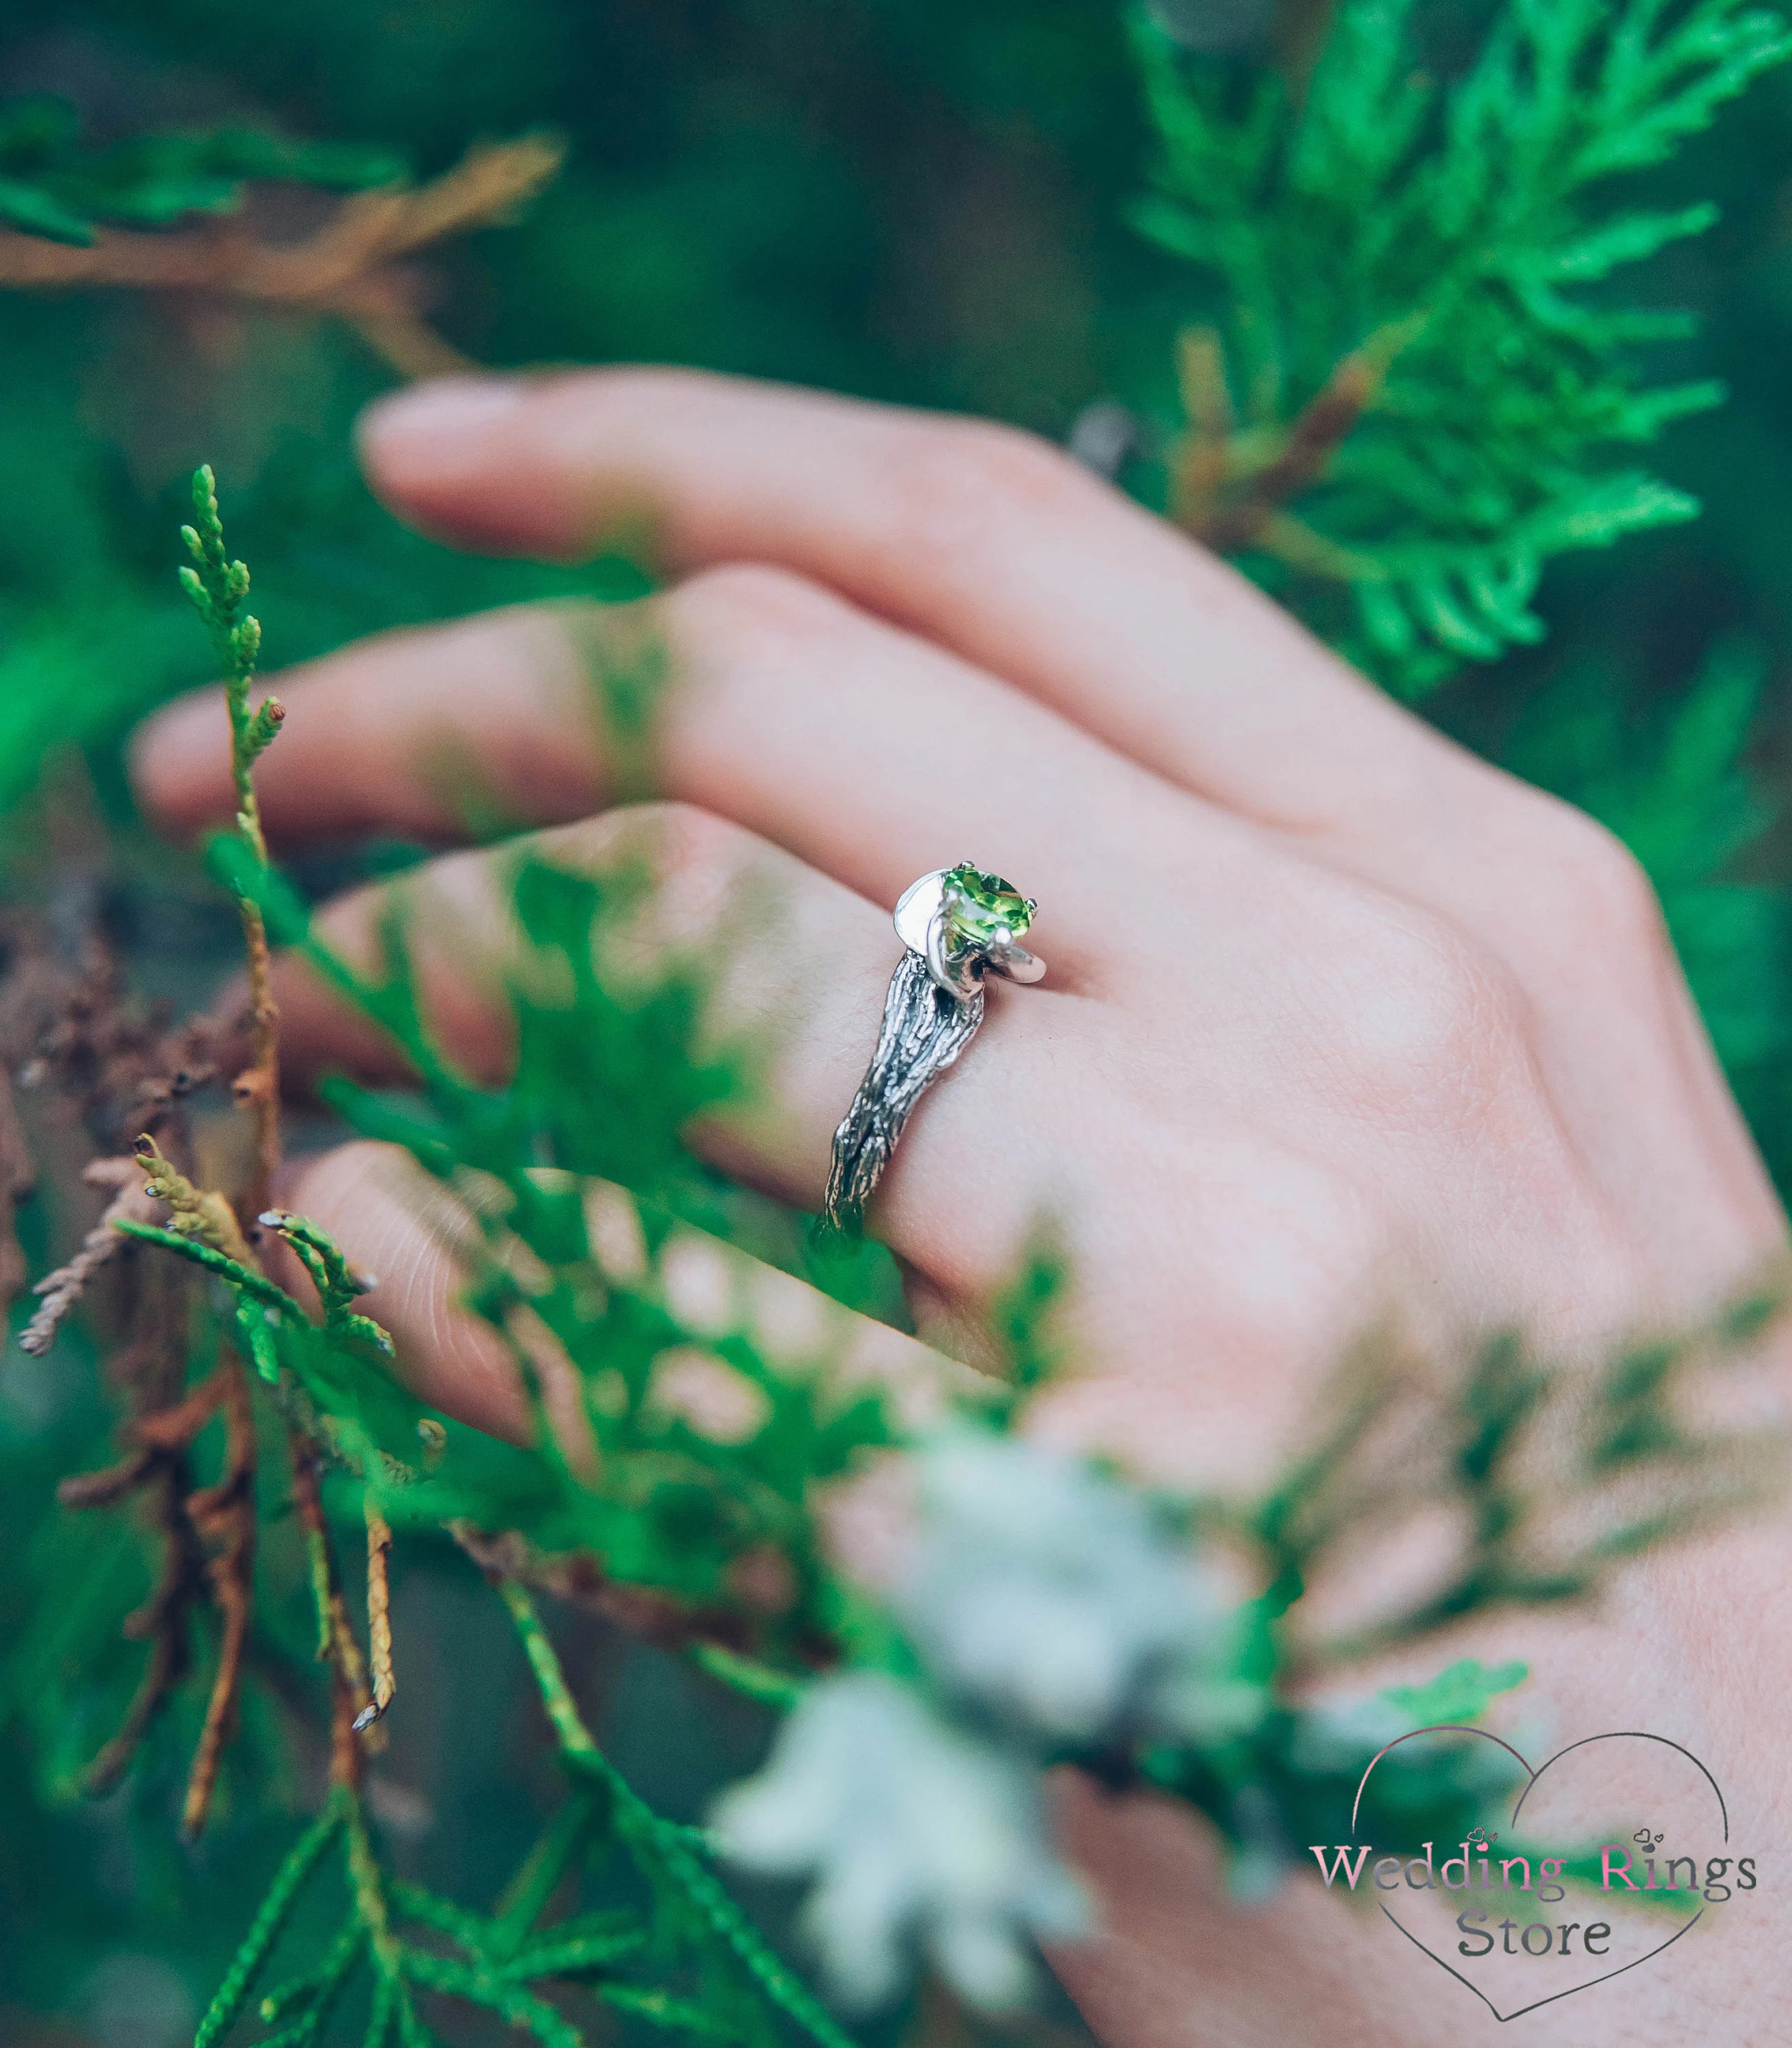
x: 958, y: 925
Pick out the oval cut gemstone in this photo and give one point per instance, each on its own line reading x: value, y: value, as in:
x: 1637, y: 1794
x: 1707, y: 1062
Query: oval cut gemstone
x: 984, y: 908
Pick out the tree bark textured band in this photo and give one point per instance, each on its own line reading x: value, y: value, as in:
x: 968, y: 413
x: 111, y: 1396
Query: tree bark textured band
x: 958, y: 924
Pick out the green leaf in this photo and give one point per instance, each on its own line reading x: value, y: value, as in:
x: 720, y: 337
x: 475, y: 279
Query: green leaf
x: 1462, y: 1693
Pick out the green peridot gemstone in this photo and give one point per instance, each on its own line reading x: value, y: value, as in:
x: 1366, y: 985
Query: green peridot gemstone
x: 982, y: 908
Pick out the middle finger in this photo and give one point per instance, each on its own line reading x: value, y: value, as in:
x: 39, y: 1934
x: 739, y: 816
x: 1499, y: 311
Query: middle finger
x: 867, y: 753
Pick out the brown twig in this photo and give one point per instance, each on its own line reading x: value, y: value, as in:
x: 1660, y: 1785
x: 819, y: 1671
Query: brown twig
x: 74, y: 1028
x: 151, y: 1364
x: 379, y: 1615
x: 190, y: 1522
x: 106, y: 1488
x: 336, y: 1645
x: 576, y: 1577
x: 112, y: 1060
x: 17, y: 1180
x: 62, y: 1288
x: 224, y: 1514
x: 350, y: 268
x: 166, y: 1434
x: 164, y: 1620
x: 256, y: 1088
x: 1229, y: 487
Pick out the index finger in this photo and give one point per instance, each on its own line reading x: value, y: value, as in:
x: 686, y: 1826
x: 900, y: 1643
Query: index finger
x: 986, y: 540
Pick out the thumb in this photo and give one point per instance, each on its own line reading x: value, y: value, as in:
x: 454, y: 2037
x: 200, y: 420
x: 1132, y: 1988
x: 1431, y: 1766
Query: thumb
x: 402, y: 1227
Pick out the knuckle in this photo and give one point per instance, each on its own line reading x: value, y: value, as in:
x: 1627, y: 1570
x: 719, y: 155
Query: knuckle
x: 682, y: 840
x: 691, y: 859
x: 1595, y: 885
x: 742, y: 607
x: 675, y: 839
x: 1437, y: 1024
x: 755, y: 591
x: 946, y: 478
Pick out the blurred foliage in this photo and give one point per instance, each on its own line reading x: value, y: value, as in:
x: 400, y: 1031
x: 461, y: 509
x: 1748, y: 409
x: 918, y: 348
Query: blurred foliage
x: 50, y: 184
x: 912, y: 200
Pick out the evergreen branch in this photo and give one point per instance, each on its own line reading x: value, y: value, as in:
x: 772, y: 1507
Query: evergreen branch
x: 317, y: 1990
x: 243, y: 1278
x: 196, y: 1212
x: 390, y: 1957
x: 1402, y: 268
x: 268, y: 1923
x: 660, y: 2009
x: 351, y: 269
x: 338, y: 1284
x: 513, y: 2003
x: 218, y: 588
x: 525, y: 1897
x: 559, y: 1954
x: 658, y: 1845
x: 465, y: 1928
x: 748, y: 1676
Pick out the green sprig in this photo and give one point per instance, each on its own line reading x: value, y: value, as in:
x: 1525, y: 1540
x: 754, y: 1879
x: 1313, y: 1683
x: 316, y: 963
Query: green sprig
x: 218, y: 588
x: 664, y: 1850
x: 1405, y: 395
x: 268, y: 1924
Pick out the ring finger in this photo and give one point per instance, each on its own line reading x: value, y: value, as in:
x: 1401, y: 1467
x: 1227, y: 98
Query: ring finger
x: 801, y: 966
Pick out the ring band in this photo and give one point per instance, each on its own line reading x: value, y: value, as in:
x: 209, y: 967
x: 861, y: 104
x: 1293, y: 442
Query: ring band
x: 958, y: 925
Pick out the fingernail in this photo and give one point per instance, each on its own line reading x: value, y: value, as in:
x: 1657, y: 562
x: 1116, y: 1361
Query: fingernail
x: 428, y: 425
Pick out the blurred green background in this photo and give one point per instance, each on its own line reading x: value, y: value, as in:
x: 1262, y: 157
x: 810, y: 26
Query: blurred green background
x: 914, y: 199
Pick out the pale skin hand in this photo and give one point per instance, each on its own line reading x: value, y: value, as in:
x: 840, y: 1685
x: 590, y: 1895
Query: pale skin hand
x: 1338, y: 1017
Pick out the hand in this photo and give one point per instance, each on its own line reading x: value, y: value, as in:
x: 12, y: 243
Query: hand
x: 1338, y: 1017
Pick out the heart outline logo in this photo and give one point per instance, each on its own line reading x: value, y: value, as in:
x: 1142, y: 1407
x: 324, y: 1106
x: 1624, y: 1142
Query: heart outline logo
x: 1531, y: 1777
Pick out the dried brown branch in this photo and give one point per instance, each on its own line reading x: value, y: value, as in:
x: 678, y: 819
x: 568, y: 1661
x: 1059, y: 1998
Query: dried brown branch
x: 150, y: 1365
x: 73, y: 1028
x: 111, y: 1063
x: 17, y: 1179
x: 224, y: 1514
x: 379, y: 1615
x: 164, y: 1622
x: 337, y: 1644
x: 351, y: 268
x: 106, y: 1488
x: 166, y: 1434
x: 576, y: 1577
x: 62, y: 1288
x: 174, y: 1429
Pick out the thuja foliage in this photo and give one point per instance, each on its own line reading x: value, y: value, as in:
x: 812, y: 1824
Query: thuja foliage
x: 1417, y: 388
x: 673, y: 1474
x: 54, y: 184
x: 1415, y: 374
x: 265, y: 1448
